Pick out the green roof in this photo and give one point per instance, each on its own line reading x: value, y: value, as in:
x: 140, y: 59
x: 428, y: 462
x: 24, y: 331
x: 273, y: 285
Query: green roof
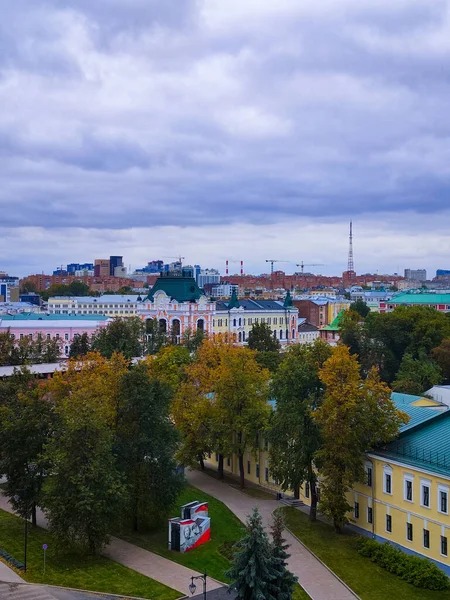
x: 336, y: 324
x: 419, y: 297
x: 288, y: 300
x: 234, y: 301
x: 42, y: 317
x: 181, y: 289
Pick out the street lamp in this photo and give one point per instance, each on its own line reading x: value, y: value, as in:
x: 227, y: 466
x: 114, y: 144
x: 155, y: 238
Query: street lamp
x: 193, y: 587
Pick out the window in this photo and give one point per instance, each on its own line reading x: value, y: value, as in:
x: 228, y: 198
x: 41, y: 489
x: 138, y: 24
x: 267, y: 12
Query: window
x: 257, y: 470
x: 425, y: 494
x: 356, y: 510
x: 266, y: 474
x: 409, y: 532
x: 369, y: 514
x: 443, y: 545
x: 443, y: 499
x: 48, y: 336
x: 21, y: 336
x: 369, y: 475
x: 30, y: 335
x: 228, y: 462
x: 387, y: 481
x: 426, y: 538
x: 66, y: 336
x: 249, y: 468
x: 408, y: 490
x: 307, y: 489
x: 234, y: 322
x: 389, y: 523
x: 281, y: 334
x: 217, y: 457
x: 57, y: 336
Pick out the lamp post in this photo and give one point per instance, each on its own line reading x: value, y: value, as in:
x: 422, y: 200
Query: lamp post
x: 193, y: 587
x: 17, y: 498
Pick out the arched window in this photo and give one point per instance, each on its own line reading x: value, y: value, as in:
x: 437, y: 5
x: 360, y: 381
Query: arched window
x: 281, y: 334
x: 293, y: 334
x: 240, y: 337
x: 201, y: 324
x: 234, y: 322
x: 243, y: 336
x: 287, y: 334
x: 176, y: 331
x: 240, y: 322
x: 275, y: 333
x: 163, y: 325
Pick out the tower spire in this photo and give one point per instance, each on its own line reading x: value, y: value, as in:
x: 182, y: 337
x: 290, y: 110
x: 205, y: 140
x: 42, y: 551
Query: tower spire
x: 350, y: 266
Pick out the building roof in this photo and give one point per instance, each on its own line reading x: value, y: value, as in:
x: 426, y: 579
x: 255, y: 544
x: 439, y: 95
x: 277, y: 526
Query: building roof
x: 177, y: 287
x: 419, y: 297
x: 45, y: 317
x: 256, y: 305
x: 336, y: 324
x: 305, y: 326
x: 110, y: 298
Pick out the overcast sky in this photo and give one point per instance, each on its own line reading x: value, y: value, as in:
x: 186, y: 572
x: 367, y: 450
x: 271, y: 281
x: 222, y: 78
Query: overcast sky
x: 214, y: 129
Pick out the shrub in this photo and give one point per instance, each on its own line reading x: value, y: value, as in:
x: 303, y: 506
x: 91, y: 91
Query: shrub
x: 11, y: 560
x: 420, y: 572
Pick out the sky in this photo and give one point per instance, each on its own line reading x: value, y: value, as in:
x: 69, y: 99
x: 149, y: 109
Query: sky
x: 225, y: 129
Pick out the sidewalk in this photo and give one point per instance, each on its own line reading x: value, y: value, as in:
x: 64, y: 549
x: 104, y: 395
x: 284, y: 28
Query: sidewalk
x: 7, y: 575
x: 315, y: 578
x: 147, y: 563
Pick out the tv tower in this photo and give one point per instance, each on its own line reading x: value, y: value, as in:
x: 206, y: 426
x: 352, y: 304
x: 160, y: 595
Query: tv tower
x: 350, y: 266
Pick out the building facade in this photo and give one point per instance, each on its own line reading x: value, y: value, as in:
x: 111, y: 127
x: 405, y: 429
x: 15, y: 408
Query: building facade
x: 440, y: 302
x: 416, y: 274
x: 111, y: 305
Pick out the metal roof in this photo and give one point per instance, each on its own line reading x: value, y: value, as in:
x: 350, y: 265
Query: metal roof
x: 415, y: 297
x: 45, y: 317
x: 106, y: 298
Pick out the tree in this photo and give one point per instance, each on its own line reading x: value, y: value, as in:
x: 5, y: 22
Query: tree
x: 168, y: 366
x: 26, y: 423
x: 241, y: 408
x: 121, y: 335
x: 416, y: 376
x: 294, y: 436
x: 253, y: 567
x: 126, y: 289
x: 360, y: 307
x: 262, y: 339
x: 77, y: 288
x: 81, y: 345
x: 282, y: 587
x: 146, y: 444
x: 86, y: 493
x: 7, y: 344
x: 269, y: 359
x: 355, y: 416
x: 192, y: 340
x: 441, y: 355
x: 28, y: 351
x: 155, y: 338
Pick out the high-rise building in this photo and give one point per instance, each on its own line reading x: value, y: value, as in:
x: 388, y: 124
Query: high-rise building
x: 416, y: 274
x: 114, y: 261
x: 208, y: 276
x: 102, y: 267
x: 9, y: 288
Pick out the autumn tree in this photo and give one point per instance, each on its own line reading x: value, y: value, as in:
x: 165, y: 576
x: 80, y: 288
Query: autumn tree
x: 169, y: 365
x: 192, y: 340
x: 441, y: 355
x: 145, y: 445
x: 294, y: 435
x: 355, y: 416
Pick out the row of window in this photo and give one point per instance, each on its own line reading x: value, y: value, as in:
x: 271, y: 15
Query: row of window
x: 241, y: 321
x: 95, y: 312
x: 97, y: 305
x: 40, y: 337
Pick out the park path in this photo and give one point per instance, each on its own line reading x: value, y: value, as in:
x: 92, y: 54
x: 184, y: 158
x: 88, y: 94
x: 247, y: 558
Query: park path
x: 7, y: 575
x: 317, y: 580
x: 147, y: 563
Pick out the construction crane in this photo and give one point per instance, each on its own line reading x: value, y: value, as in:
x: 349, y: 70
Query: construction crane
x: 271, y: 261
x: 302, y: 265
x: 179, y: 258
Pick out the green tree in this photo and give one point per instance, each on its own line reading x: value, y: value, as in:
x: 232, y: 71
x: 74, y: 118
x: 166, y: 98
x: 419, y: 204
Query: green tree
x: 192, y: 340
x: 26, y: 423
x: 355, y: 416
x: 7, y: 344
x: 294, y: 436
x: 155, y: 338
x: 146, y: 443
x: 282, y: 587
x: 262, y: 339
x: 80, y: 346
x: 269, y: 359
x: 121, y: 335
x: 253, y: 567
x: 417, y: 375
x: 126, y: 289
x: 360, y: 307
x: 441, y: 355
x: 77, y: 288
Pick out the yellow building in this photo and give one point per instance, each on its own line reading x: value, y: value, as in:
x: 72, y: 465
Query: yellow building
x: 405, y: 498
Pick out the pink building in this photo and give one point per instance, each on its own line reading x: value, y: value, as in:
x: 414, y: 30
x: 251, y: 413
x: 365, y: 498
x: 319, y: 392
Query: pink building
x: 60, y: 327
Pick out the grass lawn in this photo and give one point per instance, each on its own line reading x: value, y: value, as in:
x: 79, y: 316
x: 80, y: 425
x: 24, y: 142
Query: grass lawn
x: 89, y: 573
x: 226, y: 529
x: 338, y: 552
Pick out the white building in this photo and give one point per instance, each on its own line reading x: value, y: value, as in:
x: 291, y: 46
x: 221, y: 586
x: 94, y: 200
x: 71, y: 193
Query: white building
x: 111, y: 305
x: 208, y: 276
x: 224, y: 290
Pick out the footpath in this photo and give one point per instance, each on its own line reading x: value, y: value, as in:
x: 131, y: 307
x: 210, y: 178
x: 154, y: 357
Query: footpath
x: 147, y: 563
x: 317, y: 580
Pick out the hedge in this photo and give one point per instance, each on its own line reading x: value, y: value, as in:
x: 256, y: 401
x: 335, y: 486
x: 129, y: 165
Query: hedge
x: 421, y: 572
x: 11, y: 560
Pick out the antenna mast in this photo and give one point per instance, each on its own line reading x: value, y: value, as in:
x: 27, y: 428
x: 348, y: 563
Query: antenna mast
x: 350, y: 266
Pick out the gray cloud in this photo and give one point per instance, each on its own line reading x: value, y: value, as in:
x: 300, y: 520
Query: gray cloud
x: 208, y: 113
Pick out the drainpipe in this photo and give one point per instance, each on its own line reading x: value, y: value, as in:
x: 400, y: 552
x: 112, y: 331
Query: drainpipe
x: 373, y: 498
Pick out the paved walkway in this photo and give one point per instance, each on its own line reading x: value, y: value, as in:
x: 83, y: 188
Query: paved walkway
x: 316, y: 579
x: 147, y: 563
x: 7, y: 575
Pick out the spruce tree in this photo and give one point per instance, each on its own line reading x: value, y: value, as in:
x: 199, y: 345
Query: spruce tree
x: 283, y: 586
x: 252, y: 568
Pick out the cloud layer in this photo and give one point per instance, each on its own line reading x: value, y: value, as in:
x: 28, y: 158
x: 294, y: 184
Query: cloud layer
x: 205, y: 115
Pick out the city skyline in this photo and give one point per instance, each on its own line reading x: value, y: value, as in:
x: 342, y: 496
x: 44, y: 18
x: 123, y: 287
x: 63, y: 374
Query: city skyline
x: 243, y: 130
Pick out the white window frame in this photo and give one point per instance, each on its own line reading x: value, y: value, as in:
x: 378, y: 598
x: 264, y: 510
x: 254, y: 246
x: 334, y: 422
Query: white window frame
x: 442, y: 489
x: 385, y: 523
x: 407, y: 477
x: 368, y: 466
x: 387, y: 471
x: 425, y: 483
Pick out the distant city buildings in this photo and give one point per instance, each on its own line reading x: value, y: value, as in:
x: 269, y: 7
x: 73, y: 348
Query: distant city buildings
x: 416, y: 274
x: 9, y: 288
